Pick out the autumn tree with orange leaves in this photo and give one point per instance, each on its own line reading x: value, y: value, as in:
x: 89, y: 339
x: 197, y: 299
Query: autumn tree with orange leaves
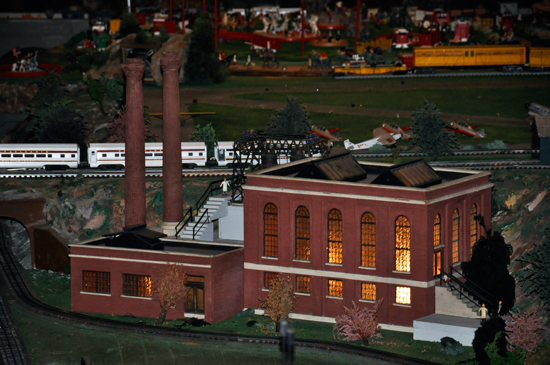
x: 280, y: 300
x: 169, y: 288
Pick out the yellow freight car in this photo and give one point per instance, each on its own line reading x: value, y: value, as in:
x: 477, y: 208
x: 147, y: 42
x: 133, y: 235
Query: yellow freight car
x: 463, y: 56
x: 366, y: 69
x: 539, y: 57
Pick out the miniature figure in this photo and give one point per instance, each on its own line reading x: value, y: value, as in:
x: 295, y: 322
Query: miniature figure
x: 224, y: 185
x: 483, y: 313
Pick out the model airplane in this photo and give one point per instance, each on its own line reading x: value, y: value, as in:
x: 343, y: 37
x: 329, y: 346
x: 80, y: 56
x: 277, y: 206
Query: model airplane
x: 325, y: 133
x: 466, y: 129
x: 396, y: 129
x: 537, y: 109
x: 381, y: 137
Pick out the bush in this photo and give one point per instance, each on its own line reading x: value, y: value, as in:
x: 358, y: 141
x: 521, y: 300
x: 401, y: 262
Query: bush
x: 59, y: 123
x: 129, y: 24
x: 358, y: 323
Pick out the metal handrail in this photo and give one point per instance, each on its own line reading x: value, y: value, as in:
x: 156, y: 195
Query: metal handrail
x: 199, y: 221
x: 208, y: 193
x: 462, y: 288
x: 186, y: 218
x: 475, y: 288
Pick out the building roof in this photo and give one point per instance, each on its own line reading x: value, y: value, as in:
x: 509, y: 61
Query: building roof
x: 543, y: 125
x: 340, y: 168
x: 415, y: 173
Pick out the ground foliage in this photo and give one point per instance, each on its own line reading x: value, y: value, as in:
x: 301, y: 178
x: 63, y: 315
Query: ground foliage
x: 431, y: 135
x: 524, y: 330
x: 280, y: 300
x: 49, y: 90
x: 103, y: 87
x: 488, y: 268
x: 485, y: 335
x: 59, y: 123
x: 292, y: 119
x: 205, y: 134
x: 515, y: 357
x: 169, y: 288
x: 202, y: 66
x: 535, y: 277
x: 358, y: 323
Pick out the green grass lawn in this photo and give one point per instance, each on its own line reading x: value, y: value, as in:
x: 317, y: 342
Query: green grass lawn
x: 506, y: 102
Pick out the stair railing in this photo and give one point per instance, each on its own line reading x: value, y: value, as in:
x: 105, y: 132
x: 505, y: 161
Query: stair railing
x: 463, y: 290
x: 475, y: 289
x: 201, y: 222
x: 186, y: 218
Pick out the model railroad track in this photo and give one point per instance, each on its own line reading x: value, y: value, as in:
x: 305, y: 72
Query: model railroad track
x: 95, y: 174
x: 455, y: 153
x: 472, y: 74
x: 9, y: 269
x: 492, y: 165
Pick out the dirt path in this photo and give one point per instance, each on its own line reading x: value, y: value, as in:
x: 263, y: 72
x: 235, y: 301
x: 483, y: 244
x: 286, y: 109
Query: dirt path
x: 226, y: 97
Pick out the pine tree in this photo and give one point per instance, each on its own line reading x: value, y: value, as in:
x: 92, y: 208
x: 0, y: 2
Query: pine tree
x: 429, y: 129
x: 535, y: 277
x: 292, y: 119
x: 205, y: 134
x: 202, y: 66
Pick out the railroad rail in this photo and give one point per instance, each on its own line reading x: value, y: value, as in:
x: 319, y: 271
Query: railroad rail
x: 9, y: 268
x: 471, y: 74
x: 95, y: 174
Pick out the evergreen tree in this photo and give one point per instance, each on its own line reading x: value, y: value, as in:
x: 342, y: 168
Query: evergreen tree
x: 292, y: 119
x: 429, y: 129
x: 59, y: 123
x: 202, y: 66
x: 535, y: 278
x: 205, y: 134
x: 488, y: 269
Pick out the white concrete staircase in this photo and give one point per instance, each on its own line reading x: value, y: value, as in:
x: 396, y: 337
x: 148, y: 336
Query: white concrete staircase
x: 447, y: 302
x: 217, y: 208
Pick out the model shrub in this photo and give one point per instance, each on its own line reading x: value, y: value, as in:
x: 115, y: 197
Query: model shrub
x: 169, y: 288
x: 103, y: 87
x: 117, y: 128
x: 535, y: 277
x: 291, y: 119
x: 202, y: 66
x: 128, y: 24
x: 205, y: 134
x: 280, y: 300
x: 358, y: 323
x: 524, y: 330
x: 429, y: 129
x: 516, y: 357
x: 50, y: 90
x: 487, y: 334
x: 59, y: 123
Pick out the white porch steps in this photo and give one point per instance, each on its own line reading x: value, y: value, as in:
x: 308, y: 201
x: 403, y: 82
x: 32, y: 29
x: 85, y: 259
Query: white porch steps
x: 217, y: 208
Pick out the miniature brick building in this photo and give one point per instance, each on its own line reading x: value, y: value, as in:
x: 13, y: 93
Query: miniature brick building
x: 347, y: 231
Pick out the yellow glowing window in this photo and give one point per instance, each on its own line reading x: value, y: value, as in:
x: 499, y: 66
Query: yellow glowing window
x: 136, y: 285
x: 437, y: 230
x: 368, y: 240
x: 96, y: 282
x: 368, y: 291
x: 456, y: 236
x: 268, y: 278
x: 302, y: 284
x: 302, y: 234
x: 403, y: 295
x: 335, y: 236
x: 271, y: 238
x: 335, y: 288
x: 438, y: 262
x: 473, y: 228
x: 402, y: 244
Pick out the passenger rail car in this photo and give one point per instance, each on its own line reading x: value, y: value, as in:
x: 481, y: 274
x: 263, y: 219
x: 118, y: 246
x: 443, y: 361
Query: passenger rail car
x: 48, y: 156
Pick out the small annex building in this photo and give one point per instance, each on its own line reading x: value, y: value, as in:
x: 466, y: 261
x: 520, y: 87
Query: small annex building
x: 354, y: 231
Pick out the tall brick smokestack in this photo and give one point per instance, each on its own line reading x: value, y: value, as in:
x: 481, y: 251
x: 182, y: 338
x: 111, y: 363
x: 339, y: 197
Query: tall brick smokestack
x: 134, y: 211
x: 171, y: 131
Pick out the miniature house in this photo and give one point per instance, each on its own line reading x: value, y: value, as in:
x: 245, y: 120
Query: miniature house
x: 347, y: 231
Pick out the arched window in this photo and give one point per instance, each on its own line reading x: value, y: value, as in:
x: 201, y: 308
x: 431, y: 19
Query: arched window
x: 368, y: 240
x: 473, y: 228
x: 437, y: 230
x: 302, y: 234
x: 271, y: 238
x: 456, y: 236
x: 335, y: 237
x: 402, y: 244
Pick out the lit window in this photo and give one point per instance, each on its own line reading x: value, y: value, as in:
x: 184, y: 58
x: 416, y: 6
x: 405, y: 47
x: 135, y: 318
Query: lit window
x: 368, y: 291
x: 335, y: 236
x: 456, y: 235
x: 473, y: 228
x: 96, y: 282
x: 402, y: 244
x: 403, y: 295
x: 437, y: 230
x: 271, y: 239
x: 438, y: 263
x: 335, y: 288
x: 368, y: 240
x: 268, y: 278
x: 302, y: 234
x: 302, y: 284
x: 136, y: 285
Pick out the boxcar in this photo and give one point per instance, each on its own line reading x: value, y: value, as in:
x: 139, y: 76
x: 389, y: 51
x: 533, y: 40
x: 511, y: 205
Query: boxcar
x: 463, y: 56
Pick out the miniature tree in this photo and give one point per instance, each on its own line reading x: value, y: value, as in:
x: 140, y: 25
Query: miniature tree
x: 429, y: 129
x: 117, y: 128
x: 202, y: 66
x: 535, y: 277
x: 280, y: 300
x: 59, y: 123
x: 205, y: 134
x: 488, y: 268
x: 524, y: 330
x: 358, y: 323
x: 516, y: 357
x: 487, y: 334
x: 292, y: 119
x: 101, y: 87
x: 169, y: 288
